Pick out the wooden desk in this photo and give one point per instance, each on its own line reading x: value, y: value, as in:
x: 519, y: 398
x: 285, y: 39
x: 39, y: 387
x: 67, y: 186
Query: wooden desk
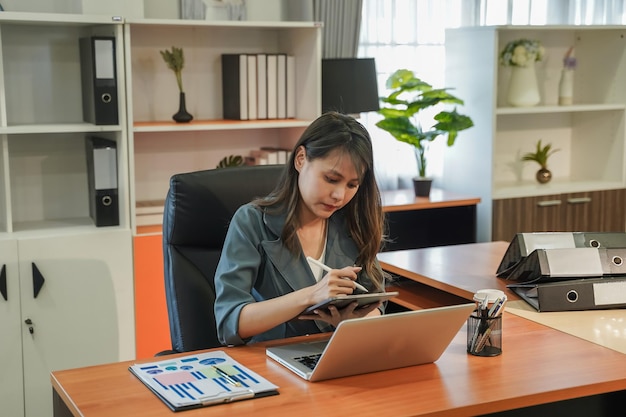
x: 460, y: 270
x: 443, y: 218
x: 452, y: 274
x: 530, y: 371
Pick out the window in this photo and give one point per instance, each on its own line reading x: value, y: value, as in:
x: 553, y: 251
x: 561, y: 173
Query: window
x: 411, y: 34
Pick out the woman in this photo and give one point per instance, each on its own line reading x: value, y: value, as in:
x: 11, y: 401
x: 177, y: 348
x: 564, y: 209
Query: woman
x: 326, y: 206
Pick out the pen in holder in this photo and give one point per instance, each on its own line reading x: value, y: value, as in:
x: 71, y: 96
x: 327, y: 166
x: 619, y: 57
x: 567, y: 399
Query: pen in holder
x: 484, y: 325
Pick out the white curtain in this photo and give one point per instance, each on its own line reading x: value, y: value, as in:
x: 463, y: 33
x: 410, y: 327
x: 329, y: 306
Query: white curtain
x: 411, y: 34
x: 342, y: 20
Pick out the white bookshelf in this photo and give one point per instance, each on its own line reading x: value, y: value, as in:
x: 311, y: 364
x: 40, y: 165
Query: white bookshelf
x: 589, y: 134
x: 159, y: 147
x: 86, y: 298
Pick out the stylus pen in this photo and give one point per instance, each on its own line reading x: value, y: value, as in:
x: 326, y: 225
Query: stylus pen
x: 227, y: 377
x: 328, y: 269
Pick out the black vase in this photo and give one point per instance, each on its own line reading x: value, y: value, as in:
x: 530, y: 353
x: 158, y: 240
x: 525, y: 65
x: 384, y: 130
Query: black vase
x: 182, y: 116
x: 422, y: 186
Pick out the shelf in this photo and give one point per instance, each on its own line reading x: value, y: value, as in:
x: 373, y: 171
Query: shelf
x: 58, y: 128
x: 558, y: 109
x: 533, y: 188
x: 160, y: 147
x: 60, y: 227
x: 228, y: 24
x: 44, y: 181
x: 208, y: 125
x: 57, y: 19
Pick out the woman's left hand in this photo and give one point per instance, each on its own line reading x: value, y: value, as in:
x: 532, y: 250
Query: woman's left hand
x: 334, y: 316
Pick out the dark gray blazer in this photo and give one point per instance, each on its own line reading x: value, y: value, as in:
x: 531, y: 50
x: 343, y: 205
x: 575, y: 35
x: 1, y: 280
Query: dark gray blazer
x: 256, y: 266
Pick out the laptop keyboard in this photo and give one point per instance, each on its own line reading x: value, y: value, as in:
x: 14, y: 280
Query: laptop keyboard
x: 309, y: 360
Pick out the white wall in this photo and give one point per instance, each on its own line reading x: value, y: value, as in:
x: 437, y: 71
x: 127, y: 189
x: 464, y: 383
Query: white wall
x: 42, y: 6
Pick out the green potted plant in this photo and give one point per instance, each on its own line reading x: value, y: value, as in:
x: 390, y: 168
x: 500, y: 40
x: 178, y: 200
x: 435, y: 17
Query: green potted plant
x: 175, y: 60
x: 408, y: 97
x: 540, y: 156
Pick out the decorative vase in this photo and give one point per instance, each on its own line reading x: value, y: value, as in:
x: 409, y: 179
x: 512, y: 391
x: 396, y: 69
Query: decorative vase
x: 523, y: 88
x: 182, y: 116
x: 544, y: 175
x: 566, y: 87
x: 422, y: 186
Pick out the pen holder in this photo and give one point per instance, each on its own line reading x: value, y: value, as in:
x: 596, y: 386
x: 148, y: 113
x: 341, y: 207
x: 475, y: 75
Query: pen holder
x: 484, y: 335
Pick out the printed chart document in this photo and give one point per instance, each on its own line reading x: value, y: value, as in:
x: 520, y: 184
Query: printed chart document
x: 201, y: 380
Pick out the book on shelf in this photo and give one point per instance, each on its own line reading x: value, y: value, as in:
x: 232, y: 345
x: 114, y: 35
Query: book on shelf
x: 252, y: 87
x: 268, y: 156
x: 200, y: 380
x: 261, y: 83
x: 272, y: 89
x: 291, y: 87
x: 235, y: 86
x: 281, y: 86
x: 258, y: 86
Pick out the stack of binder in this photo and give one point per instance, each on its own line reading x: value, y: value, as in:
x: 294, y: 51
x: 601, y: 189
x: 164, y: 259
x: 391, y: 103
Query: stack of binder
x: 258, y: 86
x: 567, y: 271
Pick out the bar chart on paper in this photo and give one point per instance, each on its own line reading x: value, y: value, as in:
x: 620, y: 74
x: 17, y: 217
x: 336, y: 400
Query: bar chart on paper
x: 200, y: 380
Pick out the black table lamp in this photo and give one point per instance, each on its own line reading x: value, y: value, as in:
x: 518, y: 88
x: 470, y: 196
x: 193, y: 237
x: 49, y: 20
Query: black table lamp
x: 349, y: 85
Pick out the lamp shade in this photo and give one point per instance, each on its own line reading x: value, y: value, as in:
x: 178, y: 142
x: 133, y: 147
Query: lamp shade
x: 349, y: 85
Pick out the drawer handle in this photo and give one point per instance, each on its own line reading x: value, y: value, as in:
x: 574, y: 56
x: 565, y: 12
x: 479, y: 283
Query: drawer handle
x: 548, y: 203
x: 579, y: 200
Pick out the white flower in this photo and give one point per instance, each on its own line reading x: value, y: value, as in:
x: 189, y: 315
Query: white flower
x: 521, y: 53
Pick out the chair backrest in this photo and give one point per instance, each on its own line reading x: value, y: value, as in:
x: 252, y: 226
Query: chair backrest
x: 198, y: 209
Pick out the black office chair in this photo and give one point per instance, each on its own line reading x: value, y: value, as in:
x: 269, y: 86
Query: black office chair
x: 198, y: 208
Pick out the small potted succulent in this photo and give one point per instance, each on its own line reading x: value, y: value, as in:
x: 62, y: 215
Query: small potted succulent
x: 409, y: 95
x: 175, y: 60
x: 540, y: 156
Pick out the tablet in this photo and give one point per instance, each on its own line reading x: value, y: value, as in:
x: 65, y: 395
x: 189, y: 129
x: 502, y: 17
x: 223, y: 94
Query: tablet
x: 343, y: 300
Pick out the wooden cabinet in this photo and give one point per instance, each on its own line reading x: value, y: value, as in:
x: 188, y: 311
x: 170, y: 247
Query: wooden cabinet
x: 68, y: 280
x: 598, y: 211
x: 590, y: 135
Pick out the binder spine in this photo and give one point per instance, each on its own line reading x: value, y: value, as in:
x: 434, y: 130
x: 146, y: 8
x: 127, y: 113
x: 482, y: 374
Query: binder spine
x: 99, y: 80
x: 102, y: 180
x: 584, y: 294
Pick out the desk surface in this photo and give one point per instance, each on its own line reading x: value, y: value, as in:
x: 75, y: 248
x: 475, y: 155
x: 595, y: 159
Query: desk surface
x: 393, y: 200
x: 401, y: 200
x: 463, y: 269
x: 529, y: 372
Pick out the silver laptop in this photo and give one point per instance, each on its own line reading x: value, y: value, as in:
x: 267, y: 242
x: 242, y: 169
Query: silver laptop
x: 371, y: 344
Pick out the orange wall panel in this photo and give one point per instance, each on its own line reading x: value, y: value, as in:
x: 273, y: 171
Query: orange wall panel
x: 151, y: 322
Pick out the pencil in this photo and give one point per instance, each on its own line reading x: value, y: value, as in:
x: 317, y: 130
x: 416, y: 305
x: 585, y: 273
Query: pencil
x: 328, y: 269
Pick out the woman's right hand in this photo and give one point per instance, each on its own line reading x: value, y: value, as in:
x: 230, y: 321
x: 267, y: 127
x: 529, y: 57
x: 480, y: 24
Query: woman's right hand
x: 334, y: 283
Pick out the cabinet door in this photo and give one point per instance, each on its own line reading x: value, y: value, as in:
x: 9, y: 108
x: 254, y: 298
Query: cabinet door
x: 526, y: 214
x: 11, y: 379
x: 598, y: 211
x: 81, y: 307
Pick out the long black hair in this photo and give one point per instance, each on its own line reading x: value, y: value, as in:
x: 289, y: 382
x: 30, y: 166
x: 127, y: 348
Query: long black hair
x: 365, y: 218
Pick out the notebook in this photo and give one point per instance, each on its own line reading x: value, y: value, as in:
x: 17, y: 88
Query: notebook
x: 372, y: 344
